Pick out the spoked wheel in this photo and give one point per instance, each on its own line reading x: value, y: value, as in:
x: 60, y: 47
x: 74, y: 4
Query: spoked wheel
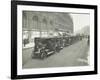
x: 43, y: 54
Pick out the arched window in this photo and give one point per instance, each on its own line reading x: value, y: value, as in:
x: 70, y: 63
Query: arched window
x: 45, y: 20
x: 51, y: 22
x: 35, y: 18
x: 24, y: 15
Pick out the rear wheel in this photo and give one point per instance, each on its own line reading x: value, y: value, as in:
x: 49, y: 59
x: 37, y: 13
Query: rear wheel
x: 43, y: 54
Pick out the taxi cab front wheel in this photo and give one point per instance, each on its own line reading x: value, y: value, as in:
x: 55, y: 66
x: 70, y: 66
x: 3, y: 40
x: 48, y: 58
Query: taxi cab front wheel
x: 43, y: 54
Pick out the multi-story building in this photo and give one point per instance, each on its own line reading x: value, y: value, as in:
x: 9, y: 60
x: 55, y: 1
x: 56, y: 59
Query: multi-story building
x: 45, y: 24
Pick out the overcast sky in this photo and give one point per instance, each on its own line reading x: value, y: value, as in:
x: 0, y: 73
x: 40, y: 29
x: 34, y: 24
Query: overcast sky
x: 80, y: 21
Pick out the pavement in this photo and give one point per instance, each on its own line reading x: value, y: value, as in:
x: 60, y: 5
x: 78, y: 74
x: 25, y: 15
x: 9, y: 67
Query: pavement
x: 68, y: 56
